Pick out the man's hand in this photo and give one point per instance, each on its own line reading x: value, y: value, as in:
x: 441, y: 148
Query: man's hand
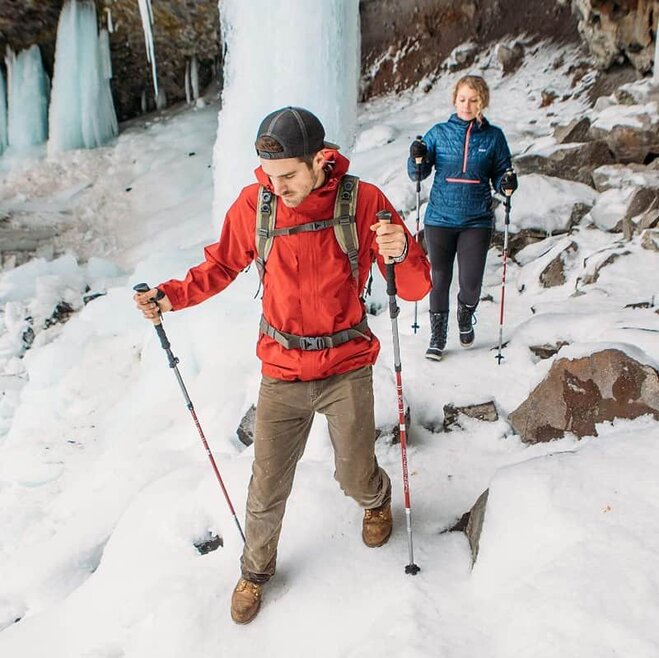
x: 391, y: 239
x: 152, y: 303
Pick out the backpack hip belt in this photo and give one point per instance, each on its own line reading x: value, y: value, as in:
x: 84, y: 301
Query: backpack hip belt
x: 291, y: 341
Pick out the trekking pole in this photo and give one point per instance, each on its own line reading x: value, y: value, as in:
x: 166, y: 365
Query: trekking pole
x: 417, y: 162
x: 411, y: 568
x: 173, y: 361
x: 499, y: 356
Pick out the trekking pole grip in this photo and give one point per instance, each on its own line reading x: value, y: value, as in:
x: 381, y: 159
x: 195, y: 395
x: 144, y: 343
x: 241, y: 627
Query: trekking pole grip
x: 160, y: 330
x: 384, y: 216
x: 417, y: 162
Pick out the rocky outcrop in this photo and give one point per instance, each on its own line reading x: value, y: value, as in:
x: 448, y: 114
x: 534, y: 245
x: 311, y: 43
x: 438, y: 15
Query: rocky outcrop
x: 619, y: 31
x: 570, y: 161
x: 403, y: 42
x: 579, y: 393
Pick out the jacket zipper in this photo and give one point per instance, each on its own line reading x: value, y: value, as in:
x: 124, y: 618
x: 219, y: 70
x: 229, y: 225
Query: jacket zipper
x: 470, y: 181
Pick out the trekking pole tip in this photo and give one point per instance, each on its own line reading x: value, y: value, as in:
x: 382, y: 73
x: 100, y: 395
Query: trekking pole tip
x: 412, y: 569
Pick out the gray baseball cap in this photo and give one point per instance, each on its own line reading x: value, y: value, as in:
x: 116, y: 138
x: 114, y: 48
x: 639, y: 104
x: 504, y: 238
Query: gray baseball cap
x: 298, y: 131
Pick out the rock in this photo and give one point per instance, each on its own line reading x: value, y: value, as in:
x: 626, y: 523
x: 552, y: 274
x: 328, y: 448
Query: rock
x: 518, y: 241
x: 594, y: 267
x: 575, y: 131
x: 578, y: 393
x: 650, y: 239
x: 547, y: 97
x: 554, y: 273
x: 245, y: 430
x: 462, y: 56
x: 545, y: 351
x: 619, y: 176
x: 61, y: 314
x: 619, y: 31
x: 486, y: 411
x: 211, y: 542
x: 573, y: 162
x: 630, y: 132
x: 475, y: 524
x: 510, y: 57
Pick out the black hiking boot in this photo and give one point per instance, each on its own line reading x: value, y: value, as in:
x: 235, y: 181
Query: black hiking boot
x: 438, y: 328
x: 466, y: 322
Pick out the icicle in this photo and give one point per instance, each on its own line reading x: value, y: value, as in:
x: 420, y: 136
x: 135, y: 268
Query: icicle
x: 146, y: 12
x: 27, y: 94
x: 108, y: 15
x: 143, y: 103
x: 194, y: 75
x: 161, y: 100
x: 3, y: 114
x: 188, y: 93
x: 81, y: 112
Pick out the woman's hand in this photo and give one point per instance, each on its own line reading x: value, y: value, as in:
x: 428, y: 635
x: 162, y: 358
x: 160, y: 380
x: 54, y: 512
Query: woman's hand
x: 508, y: 183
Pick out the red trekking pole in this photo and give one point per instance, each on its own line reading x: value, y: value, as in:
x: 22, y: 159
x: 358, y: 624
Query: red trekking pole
x: 411, y: 568
x: 499, y: 356
x: 173, y: 363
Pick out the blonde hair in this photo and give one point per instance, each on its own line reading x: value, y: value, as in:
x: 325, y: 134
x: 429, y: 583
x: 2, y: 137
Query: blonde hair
x: 477, y: 84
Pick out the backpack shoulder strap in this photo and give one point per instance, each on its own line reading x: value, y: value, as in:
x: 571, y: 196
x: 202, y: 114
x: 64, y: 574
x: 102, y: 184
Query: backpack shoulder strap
x: 345, y: 228
x: 266, y: 213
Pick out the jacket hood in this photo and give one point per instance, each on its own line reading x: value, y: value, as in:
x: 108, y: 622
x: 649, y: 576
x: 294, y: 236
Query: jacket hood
x: 335, y: 166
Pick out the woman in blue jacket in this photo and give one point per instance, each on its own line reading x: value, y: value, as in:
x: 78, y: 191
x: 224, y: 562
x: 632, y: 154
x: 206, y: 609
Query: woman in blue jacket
x: 470, y: 156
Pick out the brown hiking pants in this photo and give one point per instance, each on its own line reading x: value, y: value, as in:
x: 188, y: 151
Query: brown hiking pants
x: 284, y: 415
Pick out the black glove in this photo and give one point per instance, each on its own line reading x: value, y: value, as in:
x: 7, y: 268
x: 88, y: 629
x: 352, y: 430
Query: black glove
x: 418, y: 149
x: 508, y: 182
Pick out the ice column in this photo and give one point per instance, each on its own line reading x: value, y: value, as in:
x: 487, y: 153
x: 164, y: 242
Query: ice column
x: 3, y: 114
x: 307, y: 53
x: 81, y: 112
x: 27, y: 93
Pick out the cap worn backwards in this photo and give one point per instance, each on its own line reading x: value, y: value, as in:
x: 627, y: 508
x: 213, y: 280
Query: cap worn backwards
x: 298, y: 132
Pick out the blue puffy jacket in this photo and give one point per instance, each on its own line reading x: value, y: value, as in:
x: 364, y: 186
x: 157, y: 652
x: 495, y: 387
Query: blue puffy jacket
x: 468, y: 157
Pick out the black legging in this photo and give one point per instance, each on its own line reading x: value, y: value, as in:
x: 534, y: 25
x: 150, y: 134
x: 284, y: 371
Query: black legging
x: 471, y: 245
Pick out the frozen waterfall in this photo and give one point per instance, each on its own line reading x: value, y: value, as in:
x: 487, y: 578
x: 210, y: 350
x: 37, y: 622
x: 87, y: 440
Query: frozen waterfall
x: 3, y: 114
x: 306, y: 54
x: 27, y: 93
x: 81, y: 112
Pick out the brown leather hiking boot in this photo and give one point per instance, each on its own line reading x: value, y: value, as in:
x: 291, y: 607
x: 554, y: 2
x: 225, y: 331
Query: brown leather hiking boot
x: 377, y: 526
x: 245, y: 601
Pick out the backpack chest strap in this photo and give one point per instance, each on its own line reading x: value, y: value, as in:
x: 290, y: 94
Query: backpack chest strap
x: 293, y: 342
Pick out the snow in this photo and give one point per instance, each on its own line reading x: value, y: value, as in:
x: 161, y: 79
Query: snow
x: 105, y: 487
x: 316, y: 67
x: 28, y: 89
x: 81, y: 110
x: 559, y: 196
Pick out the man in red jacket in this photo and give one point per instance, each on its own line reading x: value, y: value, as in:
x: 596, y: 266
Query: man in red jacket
x: 315, y: 344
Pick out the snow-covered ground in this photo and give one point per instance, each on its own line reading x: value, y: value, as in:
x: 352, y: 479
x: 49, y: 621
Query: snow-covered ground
x: 104, y: 486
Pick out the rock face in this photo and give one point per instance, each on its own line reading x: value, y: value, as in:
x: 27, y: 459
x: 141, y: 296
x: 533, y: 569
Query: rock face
x: 577, y: 394
x: 404, y: 41
x: 619, y: 31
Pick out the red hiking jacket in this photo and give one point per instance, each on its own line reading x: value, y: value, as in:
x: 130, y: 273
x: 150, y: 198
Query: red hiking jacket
x: 308, y: 288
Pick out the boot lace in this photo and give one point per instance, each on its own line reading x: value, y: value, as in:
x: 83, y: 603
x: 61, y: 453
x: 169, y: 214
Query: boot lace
x: 253, y: 588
